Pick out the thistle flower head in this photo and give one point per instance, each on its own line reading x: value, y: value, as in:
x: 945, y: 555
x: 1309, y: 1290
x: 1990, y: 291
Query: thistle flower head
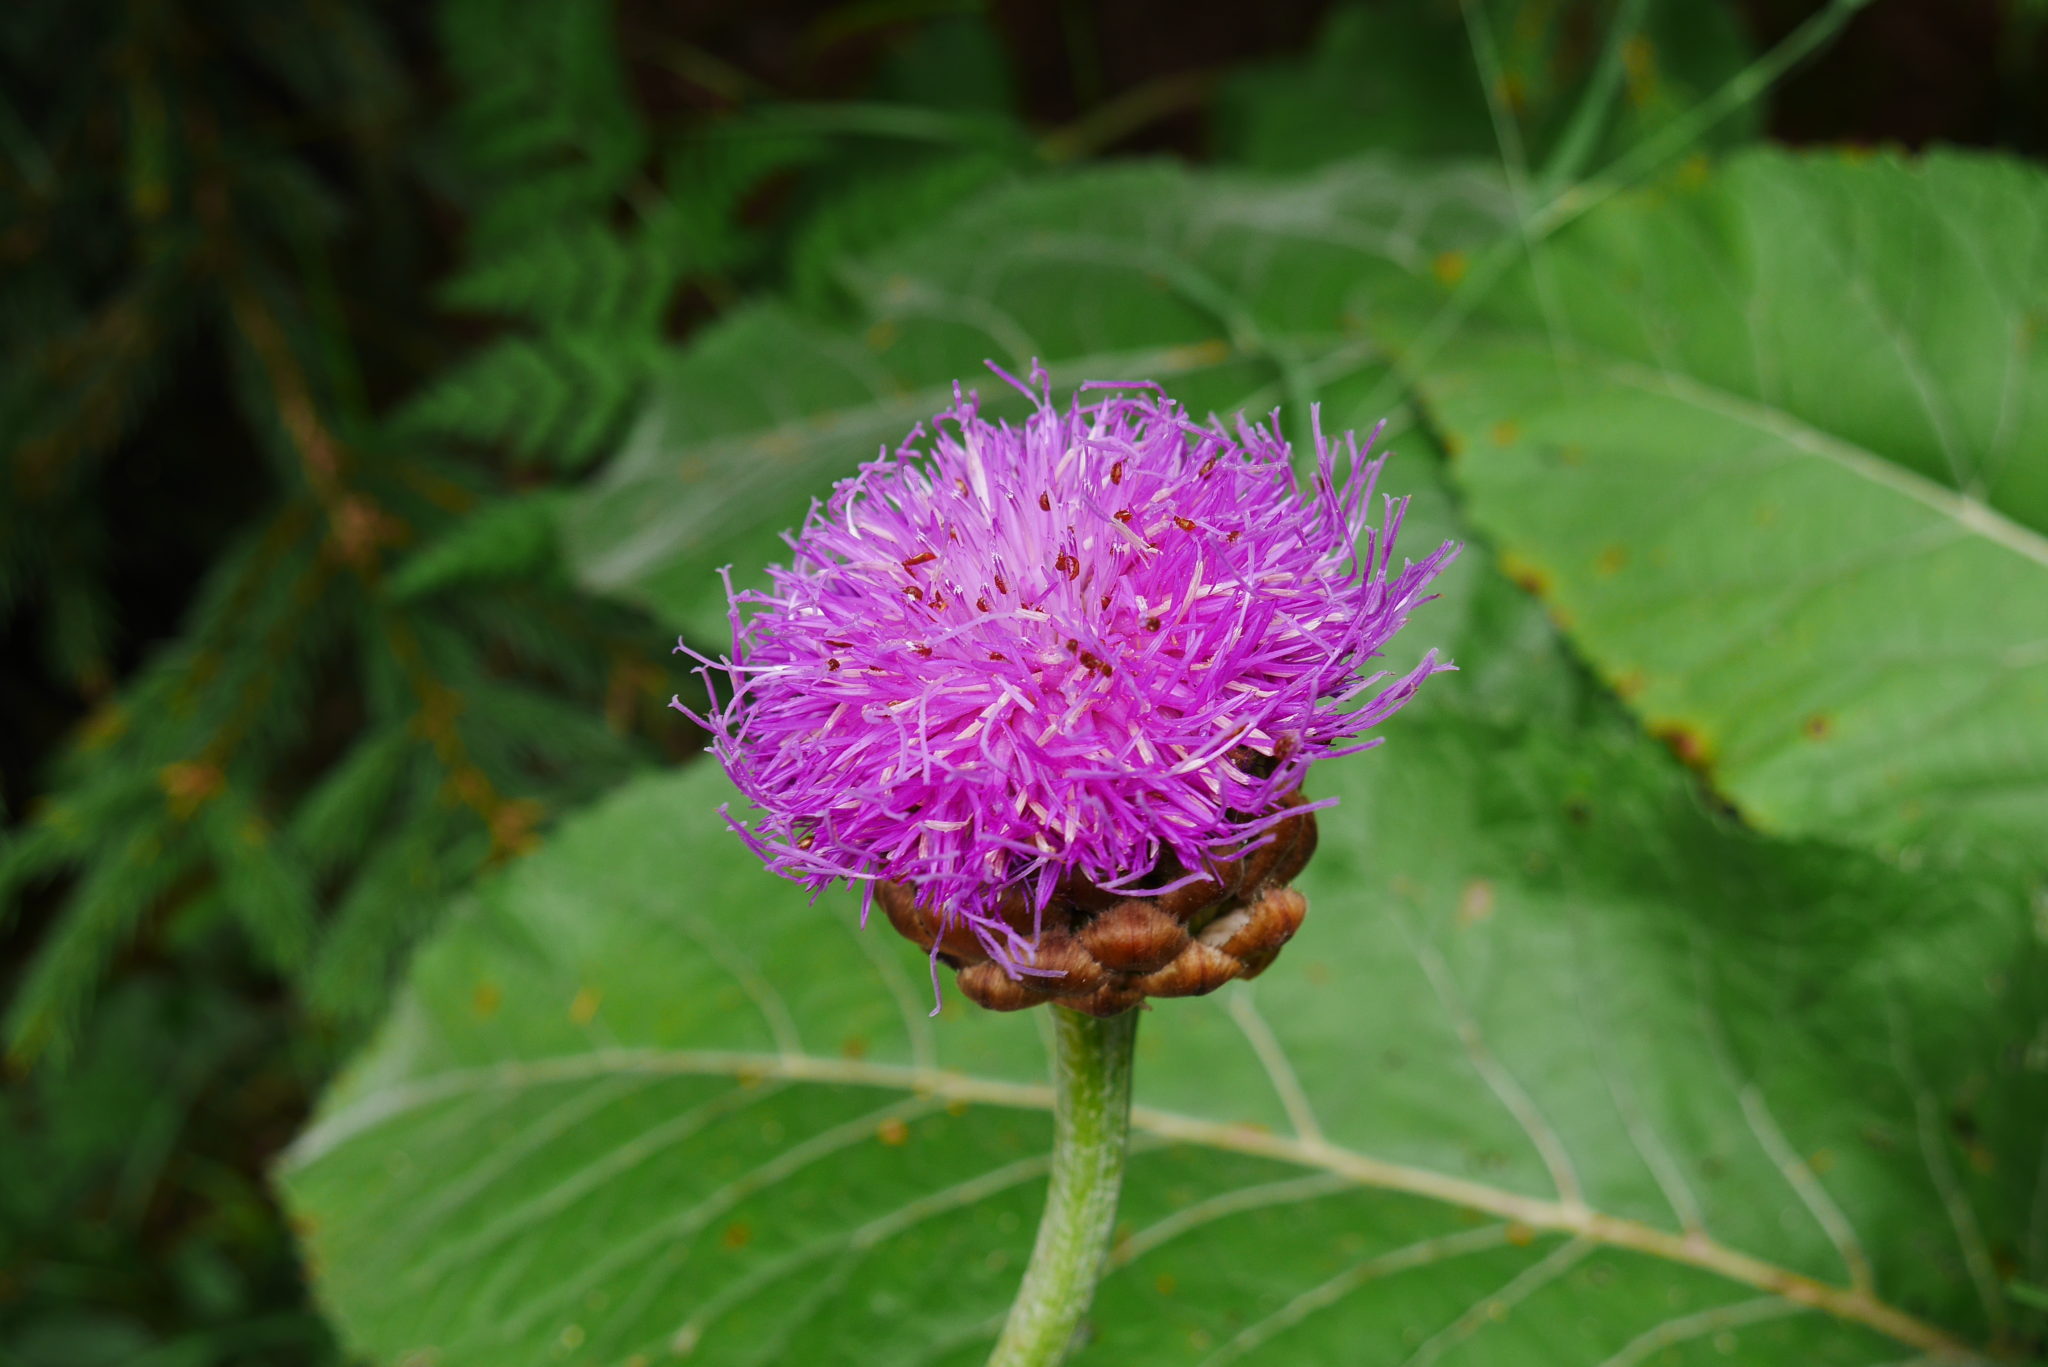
x: 1101, y: 642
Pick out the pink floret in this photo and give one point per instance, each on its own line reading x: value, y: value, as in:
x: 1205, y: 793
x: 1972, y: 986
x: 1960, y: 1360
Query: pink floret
x: 1007, y: 654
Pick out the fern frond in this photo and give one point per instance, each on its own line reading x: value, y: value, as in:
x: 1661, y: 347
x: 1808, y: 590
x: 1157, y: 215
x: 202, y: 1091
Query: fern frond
x: 558, y: 397
x: 709, y: 175
x: 575, y: 275
x: 114, y: 893
x: 44, y: 849
x: 339, y: 816
x: 263, y: 883
x: 394, y: 894
x: 522, y: 730
x: 74, y: 394
x: 543, y: 89
x: 535, y: 204
x: 877, y: 211
x: 512, y: 538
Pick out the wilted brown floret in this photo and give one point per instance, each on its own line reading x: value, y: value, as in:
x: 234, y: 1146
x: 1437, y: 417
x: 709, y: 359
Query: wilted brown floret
x: 1109, y: 952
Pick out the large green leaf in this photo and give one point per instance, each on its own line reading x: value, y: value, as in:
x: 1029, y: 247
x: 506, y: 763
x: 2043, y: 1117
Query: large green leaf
x: 1774, y: 443
x: 1563, y: 1068
x: 1234, y: 290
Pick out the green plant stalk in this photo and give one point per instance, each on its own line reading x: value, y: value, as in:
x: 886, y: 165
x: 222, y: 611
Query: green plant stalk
x: 1589, y: 120
x: 1091, y: 1132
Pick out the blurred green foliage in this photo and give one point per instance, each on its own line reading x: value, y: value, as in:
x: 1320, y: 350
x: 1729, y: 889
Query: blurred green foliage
x: 222, y: 229
x: 340, y: 337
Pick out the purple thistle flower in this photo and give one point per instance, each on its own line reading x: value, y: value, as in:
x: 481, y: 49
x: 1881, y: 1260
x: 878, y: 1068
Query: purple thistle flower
x: 1012, y: 655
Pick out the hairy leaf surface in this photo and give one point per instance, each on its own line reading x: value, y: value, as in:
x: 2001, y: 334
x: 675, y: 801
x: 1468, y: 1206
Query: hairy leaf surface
x: 1524, y: 1091
x: 1775, y: 446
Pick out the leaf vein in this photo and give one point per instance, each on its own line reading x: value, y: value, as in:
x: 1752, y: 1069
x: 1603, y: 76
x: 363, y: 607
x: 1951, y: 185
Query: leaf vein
x: 1365, y: 1170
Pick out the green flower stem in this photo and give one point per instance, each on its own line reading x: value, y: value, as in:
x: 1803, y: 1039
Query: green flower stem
x: 1091, y: 1130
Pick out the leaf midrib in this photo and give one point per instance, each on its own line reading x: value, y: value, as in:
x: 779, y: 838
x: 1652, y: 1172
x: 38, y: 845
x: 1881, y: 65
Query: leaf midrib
x: 1572, y: 1218
x: 1972, y: 515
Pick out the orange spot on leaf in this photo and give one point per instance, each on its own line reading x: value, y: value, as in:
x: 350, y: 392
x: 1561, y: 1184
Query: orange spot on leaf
x: 1639, y: 60
x: 1475, y: 903
x: 1526, y: 573
x: 1215, y: 351
x: 1687, y: 741
x: 190, y: 784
